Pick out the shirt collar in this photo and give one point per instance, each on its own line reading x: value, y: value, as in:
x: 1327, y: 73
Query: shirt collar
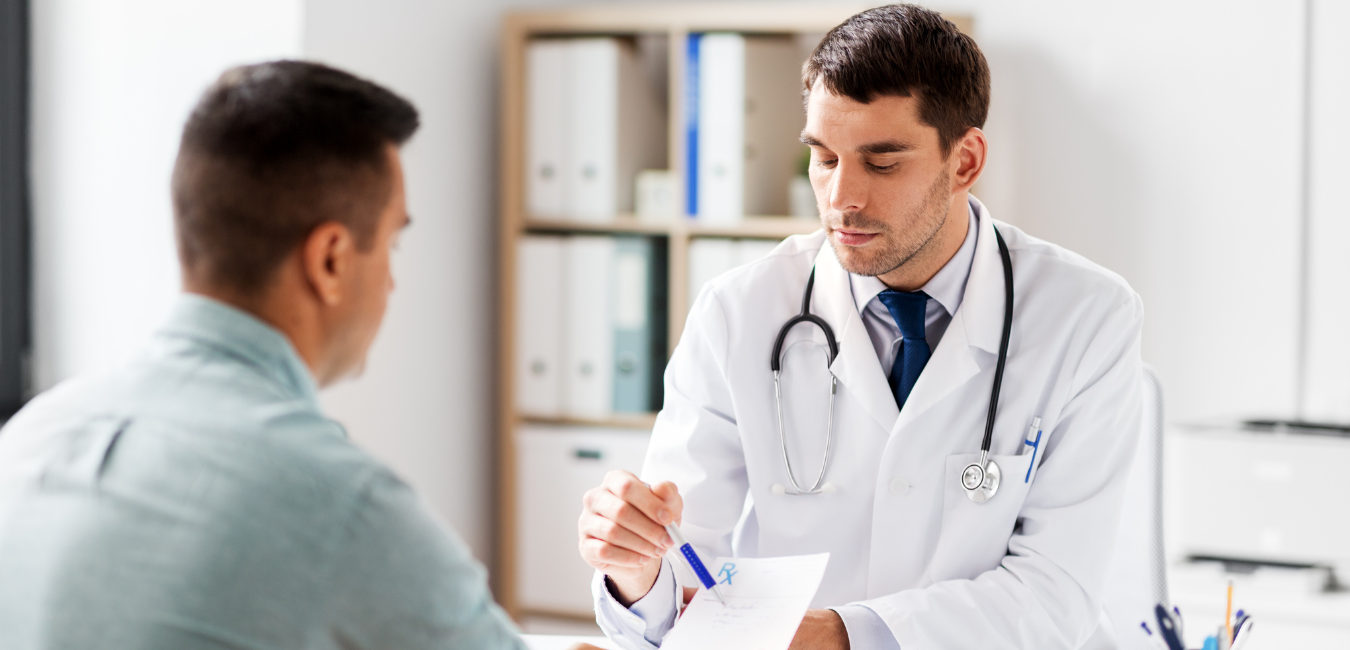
x: 946, y: 287
x: 244, y: 337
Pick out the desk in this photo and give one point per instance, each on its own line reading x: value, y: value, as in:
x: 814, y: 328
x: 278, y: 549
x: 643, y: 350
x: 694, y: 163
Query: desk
x: 560, y: 642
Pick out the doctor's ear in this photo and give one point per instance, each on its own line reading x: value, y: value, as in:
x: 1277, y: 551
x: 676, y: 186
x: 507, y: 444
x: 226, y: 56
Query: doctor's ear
x: 968, y: 155
x: 326, y: 259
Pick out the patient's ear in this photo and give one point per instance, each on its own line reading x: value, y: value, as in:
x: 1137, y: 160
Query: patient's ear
x: 327, y: 259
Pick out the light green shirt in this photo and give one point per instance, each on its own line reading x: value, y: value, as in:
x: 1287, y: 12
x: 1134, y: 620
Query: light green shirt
x: 198, y: 498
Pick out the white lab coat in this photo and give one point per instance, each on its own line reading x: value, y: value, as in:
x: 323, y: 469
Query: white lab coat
x: 1026, y: 569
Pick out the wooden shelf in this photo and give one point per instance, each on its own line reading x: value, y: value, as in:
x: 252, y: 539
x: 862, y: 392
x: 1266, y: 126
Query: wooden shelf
x: 618, y: 421
x: 782, y: 18
x: 749, y: 227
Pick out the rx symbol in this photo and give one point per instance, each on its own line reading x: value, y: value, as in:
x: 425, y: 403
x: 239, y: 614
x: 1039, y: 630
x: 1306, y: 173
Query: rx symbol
x: 728, y: 570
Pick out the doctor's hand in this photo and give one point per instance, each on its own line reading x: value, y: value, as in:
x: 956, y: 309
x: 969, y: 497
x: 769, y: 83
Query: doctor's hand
x: 822, y: 629
x: 622, y: 531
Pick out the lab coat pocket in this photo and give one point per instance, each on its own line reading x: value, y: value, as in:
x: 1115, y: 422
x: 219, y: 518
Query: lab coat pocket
x: 974, y: 536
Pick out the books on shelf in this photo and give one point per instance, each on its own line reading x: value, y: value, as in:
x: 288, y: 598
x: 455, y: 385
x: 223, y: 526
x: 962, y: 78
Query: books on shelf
x: 593, y: 308
x: 743, y: 116
x: 593, y: 121
x: 710, y: 257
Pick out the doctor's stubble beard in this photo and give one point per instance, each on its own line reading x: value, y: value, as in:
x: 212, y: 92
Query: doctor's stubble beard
x: 899, y: 246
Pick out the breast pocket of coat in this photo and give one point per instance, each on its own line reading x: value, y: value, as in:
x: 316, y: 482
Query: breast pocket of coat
x: 974, y: 536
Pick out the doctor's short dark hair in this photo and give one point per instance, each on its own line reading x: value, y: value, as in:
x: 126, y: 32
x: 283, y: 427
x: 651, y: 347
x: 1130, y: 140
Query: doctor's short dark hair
x: 272, y: 151
x: 908, y: 51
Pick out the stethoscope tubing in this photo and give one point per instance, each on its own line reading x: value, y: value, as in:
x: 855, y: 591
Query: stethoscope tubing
x: 987, y: 443
x: 985, y: 489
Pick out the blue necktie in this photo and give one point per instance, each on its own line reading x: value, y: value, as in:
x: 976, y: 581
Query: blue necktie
x: 908, y: 309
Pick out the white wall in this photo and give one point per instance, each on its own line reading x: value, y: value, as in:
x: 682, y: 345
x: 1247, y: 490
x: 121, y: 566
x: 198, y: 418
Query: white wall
x: 425, y: 403
x: 1328, y: 378
x: 1161, y: 139
x: 112, y: 84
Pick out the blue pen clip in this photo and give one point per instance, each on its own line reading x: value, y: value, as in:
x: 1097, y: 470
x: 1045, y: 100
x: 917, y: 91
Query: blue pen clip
x: 1034, y: 443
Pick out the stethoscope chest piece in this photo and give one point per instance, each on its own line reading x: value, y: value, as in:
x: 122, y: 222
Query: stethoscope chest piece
x: 981, y: 482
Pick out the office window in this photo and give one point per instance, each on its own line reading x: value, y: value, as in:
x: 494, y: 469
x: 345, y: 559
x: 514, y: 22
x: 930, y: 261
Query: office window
x: 14, y: 205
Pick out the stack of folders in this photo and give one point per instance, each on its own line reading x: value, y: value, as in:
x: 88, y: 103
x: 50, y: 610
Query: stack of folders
x: 743, y: 117
x: 590, y: 325
x: 593, y: 120
x: 711, y: 257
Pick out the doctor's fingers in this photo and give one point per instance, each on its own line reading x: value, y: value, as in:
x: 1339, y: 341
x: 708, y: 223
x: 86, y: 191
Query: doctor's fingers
x: 666, y: 491
x: 632, y: 490
x: 606, y: 557
x: 620, y: 511
x: 597, y: 527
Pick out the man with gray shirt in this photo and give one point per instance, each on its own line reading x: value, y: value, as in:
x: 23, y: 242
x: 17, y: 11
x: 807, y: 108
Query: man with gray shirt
x: 197, y: 497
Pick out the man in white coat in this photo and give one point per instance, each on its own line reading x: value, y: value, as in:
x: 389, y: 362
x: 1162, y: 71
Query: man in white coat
x: 908, y: 274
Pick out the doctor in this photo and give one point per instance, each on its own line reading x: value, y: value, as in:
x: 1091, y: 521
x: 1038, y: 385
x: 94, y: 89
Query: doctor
x: 910, y: 278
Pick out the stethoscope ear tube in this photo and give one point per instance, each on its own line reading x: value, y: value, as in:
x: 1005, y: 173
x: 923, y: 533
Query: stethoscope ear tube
x: 805, y: 316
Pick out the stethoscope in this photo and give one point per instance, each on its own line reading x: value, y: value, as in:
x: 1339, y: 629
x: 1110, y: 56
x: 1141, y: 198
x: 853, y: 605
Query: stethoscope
x: 979, y: 480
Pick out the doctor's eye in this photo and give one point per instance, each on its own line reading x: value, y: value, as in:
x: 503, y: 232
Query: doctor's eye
x: 827, y: 163
x: 884, y: 168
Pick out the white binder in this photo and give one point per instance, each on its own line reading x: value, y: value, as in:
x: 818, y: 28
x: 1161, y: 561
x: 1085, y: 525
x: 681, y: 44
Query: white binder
x: 588, y: 379
x: 615, y: 128
x: 545, y: 124
x: 539, y: 339
x: 750, y: 117
x: 753, y: 250
x: 708, y: 258
x: 721, y: 128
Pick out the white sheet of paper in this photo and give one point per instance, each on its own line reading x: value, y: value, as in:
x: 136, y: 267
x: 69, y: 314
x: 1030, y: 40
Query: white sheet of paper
x: 766, y: 600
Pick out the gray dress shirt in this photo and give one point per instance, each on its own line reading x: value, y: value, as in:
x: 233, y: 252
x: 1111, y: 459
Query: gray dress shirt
x: 198, y: 498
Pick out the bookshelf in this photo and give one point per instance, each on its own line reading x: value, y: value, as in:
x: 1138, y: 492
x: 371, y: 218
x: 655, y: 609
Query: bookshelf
x: 673, y: 22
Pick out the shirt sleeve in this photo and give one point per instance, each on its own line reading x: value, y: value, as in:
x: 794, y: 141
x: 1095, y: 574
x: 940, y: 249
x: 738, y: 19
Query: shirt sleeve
x: 865, y: 628
x: 642, y: 625
x: 402, y: 579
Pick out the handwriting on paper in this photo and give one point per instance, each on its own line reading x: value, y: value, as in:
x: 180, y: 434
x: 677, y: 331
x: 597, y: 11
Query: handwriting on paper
x: 766, y: 600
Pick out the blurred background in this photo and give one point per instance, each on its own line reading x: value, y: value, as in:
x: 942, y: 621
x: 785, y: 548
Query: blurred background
x: 1196, y: 147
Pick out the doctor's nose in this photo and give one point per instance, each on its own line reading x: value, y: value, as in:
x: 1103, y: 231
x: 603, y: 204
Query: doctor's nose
x: 847, y: 188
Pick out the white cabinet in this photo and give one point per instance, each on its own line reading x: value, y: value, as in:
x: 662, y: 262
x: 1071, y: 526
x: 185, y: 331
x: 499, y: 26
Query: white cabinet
x: 555, y: 466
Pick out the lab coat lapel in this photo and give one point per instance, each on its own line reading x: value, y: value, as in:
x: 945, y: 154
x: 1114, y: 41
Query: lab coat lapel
x: 974, y: 332
x: 856, y: 367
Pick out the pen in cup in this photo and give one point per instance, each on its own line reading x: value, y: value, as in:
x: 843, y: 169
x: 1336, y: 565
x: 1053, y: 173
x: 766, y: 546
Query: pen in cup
x: 694, y: 563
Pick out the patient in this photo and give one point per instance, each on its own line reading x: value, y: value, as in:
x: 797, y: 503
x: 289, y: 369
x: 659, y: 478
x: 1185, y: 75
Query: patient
x: 198, y: 497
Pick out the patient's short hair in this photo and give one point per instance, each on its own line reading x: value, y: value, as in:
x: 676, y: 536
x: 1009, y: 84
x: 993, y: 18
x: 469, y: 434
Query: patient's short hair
x: 272, y: 151
x: 906, y: 50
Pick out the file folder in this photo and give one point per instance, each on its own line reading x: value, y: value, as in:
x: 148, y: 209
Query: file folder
x: 615, y: 127
x: 589, y: 343
x: 708, y: 258
x: 539, y: 339
x: 545, y: 124
x: 639, y: 317
x: 749, y: 117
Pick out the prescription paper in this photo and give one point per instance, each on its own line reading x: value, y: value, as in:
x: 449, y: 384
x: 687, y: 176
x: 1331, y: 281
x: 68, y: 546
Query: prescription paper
x: 766, y: 600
